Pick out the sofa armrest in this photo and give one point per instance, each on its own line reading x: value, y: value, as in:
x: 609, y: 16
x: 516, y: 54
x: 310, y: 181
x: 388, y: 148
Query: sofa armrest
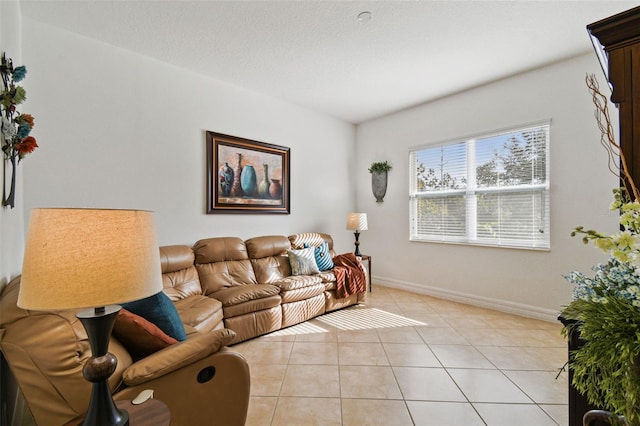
x: 174, y: 357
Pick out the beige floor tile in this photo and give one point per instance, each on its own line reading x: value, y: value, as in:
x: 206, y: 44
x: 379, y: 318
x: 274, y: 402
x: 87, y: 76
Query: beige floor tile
x: 427, y: 384
x: 441, y: 335
x: 428, y: 320
x: 311, y: 381
x: 539, y: 338
x: 541, y: 386
x: 429, y: 413
x: 284, y: 335
x: 417, y: 307
x: 466, y: 321
x: 514, y: 414
x: 266, y: 379
x: 486, y: 337
x: 361, y: 353
x: 260, y: 410
x: 370, y: 412
x: 324, y: 333
x: 366, y: 335
x: 307, y: 412
x: 487, y: 386
x: 559, y: 413
x: 399, y: 335
x: 268, y: 352
x: 385, y: 306
x: 319, y: 372
x: 525, y: 358
x: 314, y: 353
x: 460, y: 356
x: 410, y: 355
x: 368, y: 382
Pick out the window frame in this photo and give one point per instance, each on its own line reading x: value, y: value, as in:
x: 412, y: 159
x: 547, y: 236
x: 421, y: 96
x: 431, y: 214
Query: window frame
x: 471, y: 191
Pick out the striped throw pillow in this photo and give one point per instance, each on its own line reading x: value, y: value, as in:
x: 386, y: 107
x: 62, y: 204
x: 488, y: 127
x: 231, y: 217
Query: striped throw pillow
x: 302, y: 262
x: 323, y: 258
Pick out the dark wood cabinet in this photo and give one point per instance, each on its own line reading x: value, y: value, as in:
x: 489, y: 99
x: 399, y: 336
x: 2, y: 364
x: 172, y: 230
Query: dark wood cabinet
x: 619, y: 36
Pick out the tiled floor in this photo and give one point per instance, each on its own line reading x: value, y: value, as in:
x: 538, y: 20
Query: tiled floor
x: 454, y: 365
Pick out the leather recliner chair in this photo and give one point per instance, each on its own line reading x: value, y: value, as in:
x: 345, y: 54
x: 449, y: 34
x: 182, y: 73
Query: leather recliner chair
x: 46, y: 351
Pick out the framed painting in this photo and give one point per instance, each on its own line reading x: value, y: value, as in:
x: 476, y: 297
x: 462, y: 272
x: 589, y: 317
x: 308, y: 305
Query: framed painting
x: 246, y: 176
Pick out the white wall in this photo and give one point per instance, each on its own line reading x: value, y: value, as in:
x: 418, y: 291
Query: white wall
x: 11, y: 220
x: 120, y: 130
x: 528, y: 282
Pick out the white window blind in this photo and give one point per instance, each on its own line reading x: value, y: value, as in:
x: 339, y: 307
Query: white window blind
x: 488, y: 190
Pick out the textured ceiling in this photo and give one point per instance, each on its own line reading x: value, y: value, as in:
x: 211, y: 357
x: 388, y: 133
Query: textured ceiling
x: 318, y: 55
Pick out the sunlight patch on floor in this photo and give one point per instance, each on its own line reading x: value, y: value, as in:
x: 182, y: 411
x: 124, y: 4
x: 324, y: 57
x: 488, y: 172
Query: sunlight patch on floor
x: 302, y: 328
x: 364, y: 318
x: 354, y: 318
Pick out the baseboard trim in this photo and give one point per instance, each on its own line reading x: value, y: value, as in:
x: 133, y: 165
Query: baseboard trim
x: 470, y: 299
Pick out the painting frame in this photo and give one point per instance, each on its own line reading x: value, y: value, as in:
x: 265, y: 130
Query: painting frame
x: 261, y: 187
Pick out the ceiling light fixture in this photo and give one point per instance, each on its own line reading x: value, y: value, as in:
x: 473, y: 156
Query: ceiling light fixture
x: 364, y: 16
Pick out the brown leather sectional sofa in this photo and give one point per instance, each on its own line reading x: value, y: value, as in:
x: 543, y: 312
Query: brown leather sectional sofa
x: 226, y: 291
x: 247, y: 284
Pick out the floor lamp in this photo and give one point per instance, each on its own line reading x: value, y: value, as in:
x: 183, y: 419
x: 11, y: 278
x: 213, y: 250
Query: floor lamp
x: 91, y: 258
x: 357, y: 222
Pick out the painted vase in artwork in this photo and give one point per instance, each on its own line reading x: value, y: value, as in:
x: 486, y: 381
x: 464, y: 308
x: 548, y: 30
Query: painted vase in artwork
x: 249, y: 181
x: 225, y: 176
x: 263, y: 186
x: 236, y: 187
x: 276, y: 189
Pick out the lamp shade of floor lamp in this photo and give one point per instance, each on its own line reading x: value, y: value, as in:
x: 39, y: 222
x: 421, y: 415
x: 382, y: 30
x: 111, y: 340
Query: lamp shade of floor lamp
x: 91, y: 258
x: 357, y: 222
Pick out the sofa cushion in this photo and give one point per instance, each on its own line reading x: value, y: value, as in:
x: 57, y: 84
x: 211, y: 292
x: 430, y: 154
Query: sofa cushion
x: 268, y: 245
x: 303, y: 261
x: 139, y: 336
x: 327, y: 276
x: 312, y: 239
x: 295, y: 282
x: 252, y: 306
x: 159, y: 310
x: 202, y: 313
x: 179, y: 276
x: 241, y: 294
x: 303, y: 293
x: 222, y: 262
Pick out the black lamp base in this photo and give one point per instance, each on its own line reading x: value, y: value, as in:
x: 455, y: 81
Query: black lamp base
x: 102, y: 410
x: 357, y: 243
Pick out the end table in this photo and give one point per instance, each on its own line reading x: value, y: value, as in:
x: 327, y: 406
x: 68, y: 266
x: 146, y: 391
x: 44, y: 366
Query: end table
x: 152, y: 412
x: 368, y: 259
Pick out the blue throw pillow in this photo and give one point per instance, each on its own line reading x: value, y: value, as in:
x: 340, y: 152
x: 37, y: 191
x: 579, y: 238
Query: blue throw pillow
x: 323, y: 258
x: 159, y: 310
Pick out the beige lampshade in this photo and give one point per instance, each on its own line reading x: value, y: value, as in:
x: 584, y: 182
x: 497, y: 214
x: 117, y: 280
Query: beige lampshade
x: 82, y: 258
x: 357, y: 222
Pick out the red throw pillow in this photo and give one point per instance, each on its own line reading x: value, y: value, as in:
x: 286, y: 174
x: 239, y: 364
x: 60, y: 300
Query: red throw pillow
x: 138, y: 335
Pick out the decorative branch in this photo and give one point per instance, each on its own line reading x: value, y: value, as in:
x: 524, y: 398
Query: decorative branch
x: 607, y: 137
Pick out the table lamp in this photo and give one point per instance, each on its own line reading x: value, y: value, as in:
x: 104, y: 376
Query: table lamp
x: 357, y: 222
x: 91, y: 258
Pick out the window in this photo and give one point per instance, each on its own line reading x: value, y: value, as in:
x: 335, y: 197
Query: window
x: 490, y: 190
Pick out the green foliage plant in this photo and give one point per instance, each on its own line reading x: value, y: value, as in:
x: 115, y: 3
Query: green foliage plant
x: 380, y: 167
x: 605, y: 309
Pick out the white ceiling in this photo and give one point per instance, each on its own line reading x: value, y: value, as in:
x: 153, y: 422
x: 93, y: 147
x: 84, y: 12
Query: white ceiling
x: 318, y: 55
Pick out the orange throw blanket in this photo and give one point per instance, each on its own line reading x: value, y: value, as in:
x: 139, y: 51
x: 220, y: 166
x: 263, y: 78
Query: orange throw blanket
x: 351, y: 277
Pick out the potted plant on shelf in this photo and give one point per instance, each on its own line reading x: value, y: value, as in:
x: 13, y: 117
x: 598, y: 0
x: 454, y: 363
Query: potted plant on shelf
x: 605, y: 309
x: 379, y: 172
